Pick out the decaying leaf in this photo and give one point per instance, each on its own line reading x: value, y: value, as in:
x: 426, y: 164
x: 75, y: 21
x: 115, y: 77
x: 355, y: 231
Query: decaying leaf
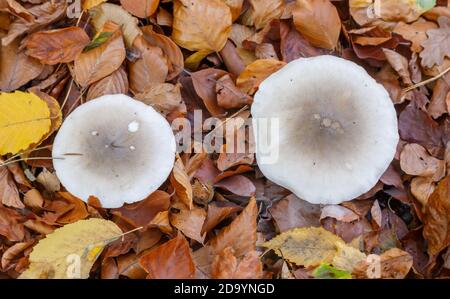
x: 116, y: 83
x: 392, y: 264
x: 254, y: 73
x: 140, y: 8
x: 81, y: 242
x: 164, y: 97
x: 415, y: 160
x: 181, y: 182
x: 227, y: 266
x: 261, y: 12
x: 437, y: 46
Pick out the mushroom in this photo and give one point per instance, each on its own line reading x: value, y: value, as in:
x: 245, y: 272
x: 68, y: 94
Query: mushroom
x: 114, y: 148
x: 337, y: 130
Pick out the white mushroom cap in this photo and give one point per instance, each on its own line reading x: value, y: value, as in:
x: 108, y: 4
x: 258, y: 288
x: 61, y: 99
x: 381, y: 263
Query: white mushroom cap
x: 337, y: 132
x: 114, y: 148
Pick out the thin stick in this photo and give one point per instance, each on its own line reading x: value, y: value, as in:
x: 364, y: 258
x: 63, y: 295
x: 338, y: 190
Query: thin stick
x: 408, y: 89
x: 25, y: 152
x: 227, y: 119
x: 33, y: 158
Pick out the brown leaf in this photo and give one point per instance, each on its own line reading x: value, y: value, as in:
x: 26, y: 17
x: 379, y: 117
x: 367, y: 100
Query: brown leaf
x: 233, y: 62
x: 415, y: 32
x: 239, y: 235
x: 235, y: 7
x: 164, y: 98
x: 170, y: 49
x: 128, y: 266
x: 318, y: 21
x: 39, y: 226
x: 116, y: 83
x: 15, y: 8
x: 12, y: 253
x: 217, y: 212
x: 34, y: 200
x: 45, y: 14
x: 422, y: 188
x: 338, y: 212
x: 190, y: 223
x: 437, y: 46
x: 142, y: 213
x: 78, y: 211
x: 151, y: 68
x: 205, y: 86
x: 140, y: 8
x: 170, y: 260
x: 192, y: 17
x: 392, y: 177
x: 227, y: 266
x: 437, y: 218
x: 395, y: 264
x: 228, y: 160
x: 254, y: 73
x: 181, y: 182
x: 376, y: 214
x: 17, y: 69
x: 10, y: 227
x: 237, y: 184
x: 9, y: 193
x: 229, y: 96
x: 261, y: 12
x: 415, y: 160
x: 400, y: 64
x: 109, y: 269
x: 438, y: 104
x: 415, y: 126
x: 101, y: 61
x: 57, y: 46
x: 292, y: 212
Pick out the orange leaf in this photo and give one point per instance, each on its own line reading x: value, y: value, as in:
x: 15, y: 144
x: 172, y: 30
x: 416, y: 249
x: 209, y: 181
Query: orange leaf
x: 78, y: 211
x: 115, y: 83
x: 181, y: 182
x: 190, y: 223
x: 318, y: 21
x: 140, y: 8
x: 57, y: 46
x: 205, y: 86
x: 9, y: 193
x: 254, y: 73
x: 101, y: 61
x: 229, y: 96
x: 227, y: 266
x: 171, y: 260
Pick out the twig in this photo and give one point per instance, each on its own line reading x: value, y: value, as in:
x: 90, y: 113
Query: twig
x: 33, y: 158
x: 408, y: 89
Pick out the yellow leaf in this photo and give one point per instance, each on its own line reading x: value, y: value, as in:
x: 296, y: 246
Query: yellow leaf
x: 24, y: 120
x: 201, y: 24
x: 110, y: 12
x: 88, y: 4
x: 306, y: 246
x: 347, y: 257
x: 70, y: 251
x: 193, y: 61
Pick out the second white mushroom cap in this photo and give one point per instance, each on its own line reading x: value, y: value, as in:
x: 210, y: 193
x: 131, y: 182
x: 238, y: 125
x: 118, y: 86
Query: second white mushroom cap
x: 337, y: 129
x: 114, y: 148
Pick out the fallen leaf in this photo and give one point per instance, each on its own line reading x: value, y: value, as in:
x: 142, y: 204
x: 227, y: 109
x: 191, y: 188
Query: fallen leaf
x: 171, y: 260
x: 347, y: 257
x: 142, y: 213
x: 326, y: 271
x: 25, y: 120
x: 34, y: 200
x: 307, y: 247
x: 256, y: 72
x: 116, y: 83
x: 415, y: 160
x: 227, y: 266
x: 190, y: 223
x: 394, y: 264
x: 422, y: 188
x: 237, y: 184
x: 17, y: 68
x: 235, y: 8
x: 15, y: 8
x: 338, y: 212
x: 438, y: 106
x: 88, y: 4
x: 261, y: 12
x: 400, y: 64
x: 49, y: 180
x: 101, y: 61
x: 292, y: 212
x: 45, y: 14
x: 217, y: 213
x: 164, y: 98
x: 10, y: 225
x: 192, y: 17
x: 140, y: 8
x: 318, y: 21
x: 229, y: 96
x: 58, y: 45
x: 78, y: 211
x: 53, y: 257
x: 181, y: 182
x: 9, y: 194
x: 205, y: 86
x: 12, y: 253
x: 437, y: 218
x: 150, y: 69
x: 437, y: 46
x: 128, y: 265
x: 415, y: 32
x: 108, y: 12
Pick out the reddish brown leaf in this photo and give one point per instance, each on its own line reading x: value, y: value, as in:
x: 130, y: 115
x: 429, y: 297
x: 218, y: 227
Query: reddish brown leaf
x: 190, y: 223
x: 142, y: 213
x: 10, y: 226
x: 77, y: 212
x: 227, y: 266
x: 170, y: 260
x: 437, y: 218
x: 57, y: 46
x: 395, y: 263
x: 140, y: 8
x: 237, y: 184
x: 229, y: 96
x: 116, y: 83
x: 415, y: 160
x: 217, y: 213
x: 338, y: 212
x: 205, y: 85
x: 9, y: 194
x: 181, y: 182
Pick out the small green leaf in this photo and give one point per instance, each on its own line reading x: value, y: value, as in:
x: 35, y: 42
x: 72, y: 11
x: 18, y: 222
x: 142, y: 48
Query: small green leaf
x: 326, y: 271
x: 98, y: 41
x: 426, y: 4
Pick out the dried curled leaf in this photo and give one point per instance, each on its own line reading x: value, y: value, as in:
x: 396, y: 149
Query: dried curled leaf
x: 57, y: 255
x: 201, y: 24
x: 254, y: 73
x: 108, y: 12
x: 227, y: 266
x: 437, y: 46
x: 116, y: 83
x: 140, y: 8
x: 261, y: 12
x: 25, y: 119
